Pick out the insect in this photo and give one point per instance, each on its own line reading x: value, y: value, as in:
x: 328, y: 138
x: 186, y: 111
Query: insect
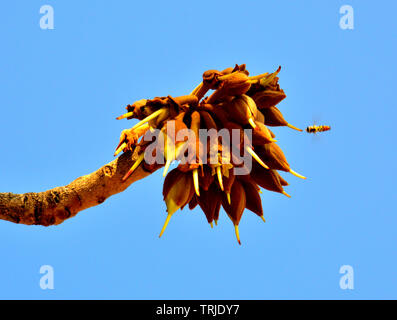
x: 314, y: 129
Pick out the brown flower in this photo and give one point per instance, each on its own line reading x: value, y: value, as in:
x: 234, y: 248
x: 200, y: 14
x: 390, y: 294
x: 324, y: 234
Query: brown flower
x: 236, y: 208
x: 239, y: 102
x: 177, y: 191
x: 242, y: 109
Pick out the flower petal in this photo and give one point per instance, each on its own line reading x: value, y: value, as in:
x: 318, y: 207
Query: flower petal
x: 236, y: 208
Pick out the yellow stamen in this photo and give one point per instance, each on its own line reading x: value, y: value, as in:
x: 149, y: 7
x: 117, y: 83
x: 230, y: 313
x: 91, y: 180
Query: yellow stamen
x: 260, y: 76
x: 172, y: 153
x: 292, y: 127
x: 265, y: 81
x: 263, y: 218
x: 143, y: 128
x: 126, y: 115
x: 196, y: 182
x: 196, y: 89
x: 297, y: 174
x: 256, y: 157
x: 172, y: 207
x: 219, y: 173
x: 165, y: 224
x: 252, y: 122
x: 237, y: 233
x: 211, y: 224
x: 150, y: 117
x: 167, y: 166
x: 119, y: 149
x: 228, y: 198
x: 286, y: 194
x: 180, y: 149
x: 216, y: 222
x: 134, y: 166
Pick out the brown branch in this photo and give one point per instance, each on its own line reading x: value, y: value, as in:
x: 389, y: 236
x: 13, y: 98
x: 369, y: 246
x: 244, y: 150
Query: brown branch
x: 54, y: 206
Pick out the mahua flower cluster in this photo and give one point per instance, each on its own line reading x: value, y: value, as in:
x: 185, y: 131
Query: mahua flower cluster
x: 213, y: 173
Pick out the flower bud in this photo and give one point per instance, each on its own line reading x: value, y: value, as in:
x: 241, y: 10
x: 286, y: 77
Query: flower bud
x: 273, y: 117
x: 261, y: 135
x: 242, y: 110
x: 233, y: 84
x: 253, y: 199
x: 268, y: 98
x: 209, y: 202
x: 236, y: 208
x: 267, y: 179
x: 178, y: 190
x: 273, y: 156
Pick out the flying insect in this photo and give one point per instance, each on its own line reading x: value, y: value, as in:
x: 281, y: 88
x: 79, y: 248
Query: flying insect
x: 315, y: 129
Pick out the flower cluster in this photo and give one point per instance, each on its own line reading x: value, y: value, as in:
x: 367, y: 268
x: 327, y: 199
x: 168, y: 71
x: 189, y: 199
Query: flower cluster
x: 220, y: 171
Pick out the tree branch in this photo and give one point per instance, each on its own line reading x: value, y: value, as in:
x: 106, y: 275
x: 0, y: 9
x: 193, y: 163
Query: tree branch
x: 54, y: 206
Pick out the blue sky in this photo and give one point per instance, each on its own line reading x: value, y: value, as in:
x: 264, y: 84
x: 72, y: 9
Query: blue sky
x: 61, y: 89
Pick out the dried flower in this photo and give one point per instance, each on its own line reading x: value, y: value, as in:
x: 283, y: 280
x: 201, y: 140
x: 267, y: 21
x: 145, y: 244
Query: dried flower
x: 213, y: 169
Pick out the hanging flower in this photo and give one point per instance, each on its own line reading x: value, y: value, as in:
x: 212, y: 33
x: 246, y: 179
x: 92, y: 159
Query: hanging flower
x: 228, y: 166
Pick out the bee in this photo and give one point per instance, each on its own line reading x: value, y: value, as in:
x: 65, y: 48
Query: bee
x: 314, y: 129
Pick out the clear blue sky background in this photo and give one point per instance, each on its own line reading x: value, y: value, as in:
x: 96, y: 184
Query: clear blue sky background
x: 61, y: 89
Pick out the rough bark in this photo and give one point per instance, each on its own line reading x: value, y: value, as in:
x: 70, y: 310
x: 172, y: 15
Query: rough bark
x: 54, y: 206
